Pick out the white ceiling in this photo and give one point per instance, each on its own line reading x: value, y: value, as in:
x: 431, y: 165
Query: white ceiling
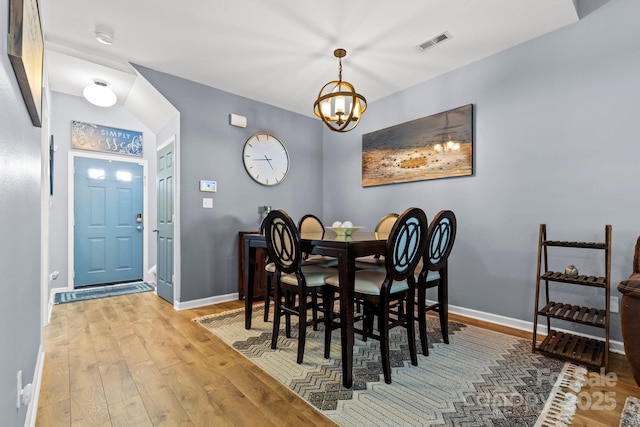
x: 281, y: 51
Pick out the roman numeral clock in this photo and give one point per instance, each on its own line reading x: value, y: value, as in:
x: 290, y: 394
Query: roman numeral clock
x: 265, y: 159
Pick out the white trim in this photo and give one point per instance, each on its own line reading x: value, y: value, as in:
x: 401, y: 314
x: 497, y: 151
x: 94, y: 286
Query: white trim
x: 70, y: 217
x: 522, y: 325
x: 52, y: 299
x: 32, y: 409
x: 197, y: 303
x: 45, y: 205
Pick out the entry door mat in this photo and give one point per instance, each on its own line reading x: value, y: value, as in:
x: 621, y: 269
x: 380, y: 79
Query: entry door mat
x: 482, y: 378
x: 103, y: 292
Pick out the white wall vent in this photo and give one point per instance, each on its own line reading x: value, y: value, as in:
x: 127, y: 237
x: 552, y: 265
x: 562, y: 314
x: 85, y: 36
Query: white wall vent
x: 435, y: 40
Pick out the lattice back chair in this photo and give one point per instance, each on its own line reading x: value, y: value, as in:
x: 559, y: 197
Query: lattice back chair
x: 381, y: 291
x: 294, y: 283
x: 382, y: 232
x: 435, y: 273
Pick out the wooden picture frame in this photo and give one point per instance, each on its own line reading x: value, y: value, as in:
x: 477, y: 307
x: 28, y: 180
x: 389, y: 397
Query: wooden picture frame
x: 433, y: 147
x: 25, y: 47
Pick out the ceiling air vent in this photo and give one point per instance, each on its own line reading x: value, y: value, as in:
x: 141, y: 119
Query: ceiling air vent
x: 435, y: 40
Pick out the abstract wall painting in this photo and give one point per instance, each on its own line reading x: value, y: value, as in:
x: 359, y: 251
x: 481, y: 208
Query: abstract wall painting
x: 25, y: 48
x: 433, y: 147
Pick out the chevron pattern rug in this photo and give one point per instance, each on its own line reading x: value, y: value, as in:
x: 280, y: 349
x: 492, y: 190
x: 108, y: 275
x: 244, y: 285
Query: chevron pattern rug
x: 482, y: 378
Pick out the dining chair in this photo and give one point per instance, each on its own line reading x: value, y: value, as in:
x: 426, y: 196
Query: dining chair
x: 381, y: 291
x: 434, y: 272
x: 311, y: 226
x: 293, y: 282
x: 382, y: 231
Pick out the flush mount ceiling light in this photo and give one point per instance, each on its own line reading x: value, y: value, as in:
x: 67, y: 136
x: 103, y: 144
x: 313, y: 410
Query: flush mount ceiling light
x: 104, y: 37
x: 99, y: 94
x: 339, y: 105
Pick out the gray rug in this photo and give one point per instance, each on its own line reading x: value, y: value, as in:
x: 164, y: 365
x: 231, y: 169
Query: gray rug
x: 482, y: 378
x: 102, y: 292
x: 630, y: 416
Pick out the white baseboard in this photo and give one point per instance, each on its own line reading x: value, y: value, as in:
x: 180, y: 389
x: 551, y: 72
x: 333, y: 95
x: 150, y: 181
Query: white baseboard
x: 52, y: 298
x: 32, y: 409
x: 205, y: 301
x: 522, y: 325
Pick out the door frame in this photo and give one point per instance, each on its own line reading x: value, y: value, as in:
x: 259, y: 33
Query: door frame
x: 71, y: 205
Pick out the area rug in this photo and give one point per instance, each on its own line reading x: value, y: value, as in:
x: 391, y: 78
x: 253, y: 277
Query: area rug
x: 630, y: 416
x: 482, y: 378
x: 102, y: 292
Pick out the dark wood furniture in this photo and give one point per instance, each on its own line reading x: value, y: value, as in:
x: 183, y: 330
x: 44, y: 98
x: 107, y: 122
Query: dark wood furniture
x: 435, y: 274
x: 630, y: 315
x: 346, y: 250
x: 295, y: 283
x: 257, y: 263
x: 588, y: 351
x: 388, y: 294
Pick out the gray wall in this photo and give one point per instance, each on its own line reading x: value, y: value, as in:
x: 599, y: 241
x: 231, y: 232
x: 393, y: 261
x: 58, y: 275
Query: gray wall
x: 555, y: 142
x: 66, y: 108
x: 20, y: 202
x: 210, y: 148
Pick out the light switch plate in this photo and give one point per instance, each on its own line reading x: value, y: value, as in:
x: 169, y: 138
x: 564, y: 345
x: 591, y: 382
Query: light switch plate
x: 207, y: 203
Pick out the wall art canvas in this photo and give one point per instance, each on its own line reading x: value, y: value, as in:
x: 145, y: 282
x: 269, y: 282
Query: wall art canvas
x: 92, y: 137
x: 25, y: 48
x: 437, y: 146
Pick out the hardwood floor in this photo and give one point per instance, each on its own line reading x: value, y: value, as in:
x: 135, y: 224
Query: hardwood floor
x: 135, y: 361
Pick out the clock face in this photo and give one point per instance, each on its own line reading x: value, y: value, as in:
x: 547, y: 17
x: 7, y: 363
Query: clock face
x: 266, y: 159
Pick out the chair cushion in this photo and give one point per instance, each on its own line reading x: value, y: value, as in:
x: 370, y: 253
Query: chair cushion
x: 369, y: 262
x: 314, y: 275
x: 369, y: 282
x: 325, y: 261
x: 432, y: 276
x: 270, y: 267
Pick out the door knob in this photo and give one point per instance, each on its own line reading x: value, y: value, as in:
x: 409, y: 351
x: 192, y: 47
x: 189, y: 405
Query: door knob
x: 139, y: 228
x: 155, y: 230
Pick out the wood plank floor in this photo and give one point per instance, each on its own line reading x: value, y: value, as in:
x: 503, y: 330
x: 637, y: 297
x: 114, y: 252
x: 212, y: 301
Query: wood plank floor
x: 135, y: 361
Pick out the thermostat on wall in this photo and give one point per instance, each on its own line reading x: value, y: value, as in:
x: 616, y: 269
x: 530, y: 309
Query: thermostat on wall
x: 208, y: 186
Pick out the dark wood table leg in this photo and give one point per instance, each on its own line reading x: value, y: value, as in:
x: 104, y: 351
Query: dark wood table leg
x: 347, y: 278
x: 249, y: 277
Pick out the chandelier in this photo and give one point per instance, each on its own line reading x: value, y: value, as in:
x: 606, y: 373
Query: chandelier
x: 339, y: 105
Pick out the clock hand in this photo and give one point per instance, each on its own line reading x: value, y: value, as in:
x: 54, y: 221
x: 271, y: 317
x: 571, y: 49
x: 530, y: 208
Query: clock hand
x: 267, y: 159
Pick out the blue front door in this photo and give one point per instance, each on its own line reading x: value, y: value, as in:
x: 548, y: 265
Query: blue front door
x: 108, y: 221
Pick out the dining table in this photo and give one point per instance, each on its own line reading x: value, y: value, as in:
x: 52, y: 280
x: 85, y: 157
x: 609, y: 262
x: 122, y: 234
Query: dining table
x: 345, y: 249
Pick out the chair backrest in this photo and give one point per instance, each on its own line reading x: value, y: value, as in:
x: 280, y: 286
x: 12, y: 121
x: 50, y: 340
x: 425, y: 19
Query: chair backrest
x: 283, y: 241
x: 440, y: 238
x: 383, y: 227
x: 405, y: 244
x: 311, y: 224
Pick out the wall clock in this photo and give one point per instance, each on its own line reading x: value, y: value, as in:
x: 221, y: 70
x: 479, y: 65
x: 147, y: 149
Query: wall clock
x: 265, y: 159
